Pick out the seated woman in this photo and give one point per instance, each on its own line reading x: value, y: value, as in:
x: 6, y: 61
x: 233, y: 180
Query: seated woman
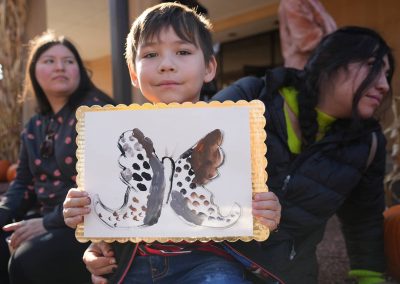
x: 46, y: 250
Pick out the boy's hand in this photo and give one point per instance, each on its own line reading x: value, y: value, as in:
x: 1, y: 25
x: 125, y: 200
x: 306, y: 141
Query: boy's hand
x: 99, y: 259
x: 267, y: 209
x: 76, y: 205
x: 24, y: 230
x: 99, y: 280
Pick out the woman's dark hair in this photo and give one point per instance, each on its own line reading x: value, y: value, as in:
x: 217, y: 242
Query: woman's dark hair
x: 37, y: 47
x: 336, y: 51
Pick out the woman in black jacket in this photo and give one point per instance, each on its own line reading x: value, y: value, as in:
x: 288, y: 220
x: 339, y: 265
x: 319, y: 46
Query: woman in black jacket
x: 46, y: 250
x: 326, y: 153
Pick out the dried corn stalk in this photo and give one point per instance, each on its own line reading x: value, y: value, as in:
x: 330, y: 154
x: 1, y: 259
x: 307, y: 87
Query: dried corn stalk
x: 392, y: 133
x: 13, y: 15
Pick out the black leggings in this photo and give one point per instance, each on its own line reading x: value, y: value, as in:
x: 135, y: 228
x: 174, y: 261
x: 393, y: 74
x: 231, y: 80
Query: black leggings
x: 4, y: 256
x: 54, y: 257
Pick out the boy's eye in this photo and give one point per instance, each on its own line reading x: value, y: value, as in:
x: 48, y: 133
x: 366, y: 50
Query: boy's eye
x: 150, y: 55
x: 183, y: 52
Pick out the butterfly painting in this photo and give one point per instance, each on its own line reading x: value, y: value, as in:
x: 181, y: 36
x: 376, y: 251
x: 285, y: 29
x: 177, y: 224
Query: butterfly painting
x: 171, y: 172
x: 147, y: 187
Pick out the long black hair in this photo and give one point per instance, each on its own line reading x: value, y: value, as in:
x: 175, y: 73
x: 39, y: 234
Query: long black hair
x: 37, y: 47
x: 335, y: 51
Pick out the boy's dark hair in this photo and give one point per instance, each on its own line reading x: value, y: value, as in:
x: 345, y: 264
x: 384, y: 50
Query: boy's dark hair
x: 336, y: 51
x: 37, y: 47
x: 186, y: 23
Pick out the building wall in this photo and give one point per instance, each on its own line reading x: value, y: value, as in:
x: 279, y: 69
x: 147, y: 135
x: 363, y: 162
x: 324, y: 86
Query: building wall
x: 101, y: 73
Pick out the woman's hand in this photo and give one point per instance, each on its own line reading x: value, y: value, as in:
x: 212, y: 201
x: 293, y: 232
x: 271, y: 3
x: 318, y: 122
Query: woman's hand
x: 99, y: 260
x: 267, y: 209
x: 24, y: 230
x: 76, y: 205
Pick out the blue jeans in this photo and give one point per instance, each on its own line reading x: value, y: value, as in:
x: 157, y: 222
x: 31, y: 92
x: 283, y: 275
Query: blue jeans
x: 194, y: 268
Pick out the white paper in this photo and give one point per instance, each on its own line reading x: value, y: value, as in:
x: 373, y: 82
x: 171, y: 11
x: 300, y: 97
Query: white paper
x: 172, y: 131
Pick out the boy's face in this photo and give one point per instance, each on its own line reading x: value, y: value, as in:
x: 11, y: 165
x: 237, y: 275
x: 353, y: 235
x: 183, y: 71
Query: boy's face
x: 168, y: 69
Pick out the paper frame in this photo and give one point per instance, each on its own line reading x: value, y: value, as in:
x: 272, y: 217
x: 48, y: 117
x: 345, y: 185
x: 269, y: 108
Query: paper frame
x: 258, y: 164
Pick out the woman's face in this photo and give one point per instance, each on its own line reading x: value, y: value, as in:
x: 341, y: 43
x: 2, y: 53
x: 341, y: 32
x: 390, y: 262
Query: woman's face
x: 338, y: 101
x: 57, y: 72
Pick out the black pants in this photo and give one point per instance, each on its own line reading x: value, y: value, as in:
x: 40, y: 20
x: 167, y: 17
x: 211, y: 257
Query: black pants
x: 4, y: 256
x: 54, y: 257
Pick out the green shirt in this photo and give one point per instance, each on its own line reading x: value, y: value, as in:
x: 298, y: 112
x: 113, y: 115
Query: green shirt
x: 324, y: 120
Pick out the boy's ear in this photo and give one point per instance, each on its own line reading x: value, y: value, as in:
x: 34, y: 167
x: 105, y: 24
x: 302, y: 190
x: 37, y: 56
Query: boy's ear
x: 132, y: 74
x: 211, y: 69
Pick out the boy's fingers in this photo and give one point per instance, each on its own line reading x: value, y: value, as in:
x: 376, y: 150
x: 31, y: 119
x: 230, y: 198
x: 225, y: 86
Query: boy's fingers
x: 265, y: 196
x: 269, y: 205
x: 268, y: 217
x: 98, y: 265
x: 267, y: 214
x: 103, y: 270
x: 74, y: 212
x: 73, y: 222
x: 74, y: 192
x: 74, y: 216
x: 106, y: 249
x: 271, y: 224
x: 72, y: 202
x: 98, y: 279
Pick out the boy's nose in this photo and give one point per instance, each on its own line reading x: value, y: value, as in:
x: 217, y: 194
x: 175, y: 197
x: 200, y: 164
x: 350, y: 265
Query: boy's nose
x: 166, y: 64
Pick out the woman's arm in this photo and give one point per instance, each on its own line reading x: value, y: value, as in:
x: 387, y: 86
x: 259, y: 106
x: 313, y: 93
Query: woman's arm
x: 21, y: 195
x: 362, y: 216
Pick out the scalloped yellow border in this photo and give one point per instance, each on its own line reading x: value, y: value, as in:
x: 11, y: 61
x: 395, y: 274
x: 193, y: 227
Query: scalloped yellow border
x: 258, y: 164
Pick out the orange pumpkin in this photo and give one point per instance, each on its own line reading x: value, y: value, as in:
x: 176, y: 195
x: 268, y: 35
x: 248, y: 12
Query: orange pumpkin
x: 4, y: 164
x: 392, y: 241
x: 12, y: 172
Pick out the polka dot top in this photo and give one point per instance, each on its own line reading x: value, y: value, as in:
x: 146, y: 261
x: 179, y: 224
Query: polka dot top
x: 47, y: 163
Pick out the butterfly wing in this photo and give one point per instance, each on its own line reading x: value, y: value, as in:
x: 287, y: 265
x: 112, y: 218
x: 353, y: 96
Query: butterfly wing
x: 143, y: 174
x: 194, y: 169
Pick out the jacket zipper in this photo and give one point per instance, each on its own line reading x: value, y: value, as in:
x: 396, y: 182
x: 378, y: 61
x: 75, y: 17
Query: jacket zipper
x: 292, y: 252
x: 285, y: 182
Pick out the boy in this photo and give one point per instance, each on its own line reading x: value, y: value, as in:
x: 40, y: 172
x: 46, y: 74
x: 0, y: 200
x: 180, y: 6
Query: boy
x: 169, y: 54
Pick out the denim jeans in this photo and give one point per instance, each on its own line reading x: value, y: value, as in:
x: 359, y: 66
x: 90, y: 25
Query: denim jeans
x: 193, y: 268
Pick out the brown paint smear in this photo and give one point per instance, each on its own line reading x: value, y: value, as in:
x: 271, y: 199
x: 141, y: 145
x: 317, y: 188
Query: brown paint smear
x: 145, y: 141
x: 206, y: 157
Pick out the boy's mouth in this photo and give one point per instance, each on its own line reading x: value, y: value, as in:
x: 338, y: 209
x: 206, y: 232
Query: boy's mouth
x: 168, y: 83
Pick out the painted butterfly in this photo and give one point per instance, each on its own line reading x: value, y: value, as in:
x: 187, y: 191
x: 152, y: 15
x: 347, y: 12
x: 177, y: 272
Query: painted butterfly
x: 143, y: 173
